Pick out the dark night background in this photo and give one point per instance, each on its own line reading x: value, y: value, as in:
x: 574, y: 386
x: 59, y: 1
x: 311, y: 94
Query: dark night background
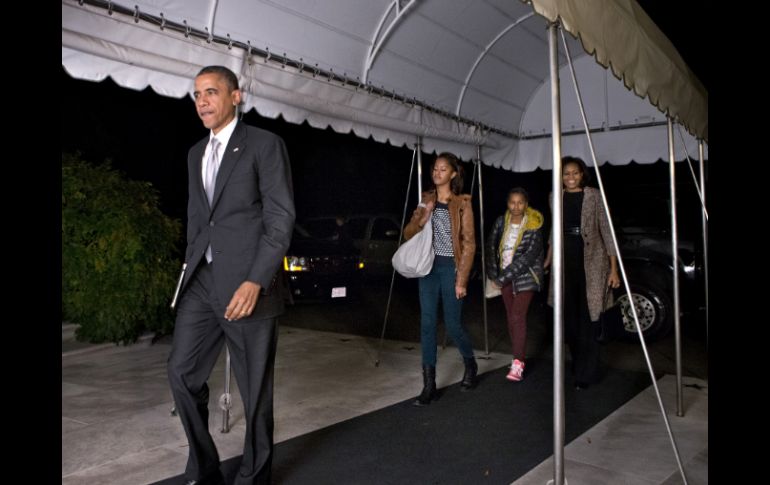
x: 147, y: 136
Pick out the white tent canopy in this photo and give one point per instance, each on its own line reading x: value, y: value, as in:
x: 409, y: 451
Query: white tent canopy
x: 458, y: 73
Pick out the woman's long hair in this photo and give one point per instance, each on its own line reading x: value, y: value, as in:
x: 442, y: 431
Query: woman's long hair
x: 457, y: 183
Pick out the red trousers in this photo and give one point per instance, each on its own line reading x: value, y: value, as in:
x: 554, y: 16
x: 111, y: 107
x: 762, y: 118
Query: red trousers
x: 516, y: 307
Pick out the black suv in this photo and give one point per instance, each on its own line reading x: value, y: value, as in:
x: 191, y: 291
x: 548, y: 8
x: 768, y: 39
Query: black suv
x: 374, y: 235
x: 647, y: 258
x: 318, y: 268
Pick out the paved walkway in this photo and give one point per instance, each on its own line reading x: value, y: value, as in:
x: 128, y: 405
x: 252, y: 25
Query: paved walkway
x: 117, y: 428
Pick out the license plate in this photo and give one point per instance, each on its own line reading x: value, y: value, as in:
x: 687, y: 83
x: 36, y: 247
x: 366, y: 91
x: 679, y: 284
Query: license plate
x: 340, y: 292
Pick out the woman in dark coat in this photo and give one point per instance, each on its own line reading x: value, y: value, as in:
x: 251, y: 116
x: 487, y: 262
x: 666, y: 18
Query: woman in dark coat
x: 590, y: 267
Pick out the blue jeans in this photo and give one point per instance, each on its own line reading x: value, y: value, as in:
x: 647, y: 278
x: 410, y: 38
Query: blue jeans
x: 440, y: 283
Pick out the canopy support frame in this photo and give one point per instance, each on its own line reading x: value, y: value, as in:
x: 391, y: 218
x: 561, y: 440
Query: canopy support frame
x: 620, y: 258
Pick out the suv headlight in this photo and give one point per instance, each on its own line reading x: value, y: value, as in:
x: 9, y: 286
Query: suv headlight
x: 687, y: 260
x: 295, y: 263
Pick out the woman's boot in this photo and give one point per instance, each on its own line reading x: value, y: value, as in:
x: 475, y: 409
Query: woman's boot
x: 429, y: 386
x: 469, y: 378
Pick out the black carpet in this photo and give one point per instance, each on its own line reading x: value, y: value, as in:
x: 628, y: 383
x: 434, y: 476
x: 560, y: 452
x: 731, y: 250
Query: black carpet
x: 494, y: 434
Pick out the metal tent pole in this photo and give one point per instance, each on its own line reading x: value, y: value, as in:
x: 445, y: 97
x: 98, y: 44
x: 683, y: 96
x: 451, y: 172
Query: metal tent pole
x: 393, y: 274
x: 620, y: 257
x: 473, y: 180
x: 419, y: 169
x: 483, y: 255
x: 558, y: 267
x: 692, y: 172
x: 705, y: 232
x: 675, y: 265
x: 225, y: 400
x: 701, y: 189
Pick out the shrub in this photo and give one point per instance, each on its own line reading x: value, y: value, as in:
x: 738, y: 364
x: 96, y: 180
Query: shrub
x: 119, y: 256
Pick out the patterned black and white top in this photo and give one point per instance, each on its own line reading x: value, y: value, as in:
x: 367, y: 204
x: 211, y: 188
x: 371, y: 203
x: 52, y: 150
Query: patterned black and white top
x: 442, y: 230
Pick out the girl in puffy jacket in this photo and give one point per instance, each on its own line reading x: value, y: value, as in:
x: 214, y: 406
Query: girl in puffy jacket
x: 515, y: 265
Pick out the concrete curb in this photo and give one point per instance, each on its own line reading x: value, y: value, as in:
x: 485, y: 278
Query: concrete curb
x: 69, y: 331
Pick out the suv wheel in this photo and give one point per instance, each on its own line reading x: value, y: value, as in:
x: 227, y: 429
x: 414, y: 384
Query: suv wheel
x: 653, y: 307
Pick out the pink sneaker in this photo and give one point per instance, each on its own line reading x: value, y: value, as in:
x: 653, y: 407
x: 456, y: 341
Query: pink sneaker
x: 517, y: 369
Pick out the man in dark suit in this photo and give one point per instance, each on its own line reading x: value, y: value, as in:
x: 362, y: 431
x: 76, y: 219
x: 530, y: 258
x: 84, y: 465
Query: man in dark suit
x: 240, y: 217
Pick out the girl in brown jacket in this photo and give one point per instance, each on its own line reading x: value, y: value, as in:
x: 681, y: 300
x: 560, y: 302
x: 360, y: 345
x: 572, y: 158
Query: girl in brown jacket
x: 454, y: 245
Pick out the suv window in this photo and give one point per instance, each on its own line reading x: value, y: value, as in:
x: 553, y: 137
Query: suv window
x: 300, y: 232
x: 385, y: 229
x: 321, y: 228
x: 357, y: 227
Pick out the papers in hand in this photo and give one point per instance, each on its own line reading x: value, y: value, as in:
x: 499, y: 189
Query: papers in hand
x: 178, y: 286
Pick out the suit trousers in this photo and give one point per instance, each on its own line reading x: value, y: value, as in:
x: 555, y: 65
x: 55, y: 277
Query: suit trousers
x: 199, y: 334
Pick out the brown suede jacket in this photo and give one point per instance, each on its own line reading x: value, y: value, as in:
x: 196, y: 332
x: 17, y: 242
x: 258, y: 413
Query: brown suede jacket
x: 463, y: 232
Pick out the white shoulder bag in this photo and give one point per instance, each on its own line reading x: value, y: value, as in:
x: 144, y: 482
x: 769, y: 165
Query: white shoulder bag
x: 414, y: 258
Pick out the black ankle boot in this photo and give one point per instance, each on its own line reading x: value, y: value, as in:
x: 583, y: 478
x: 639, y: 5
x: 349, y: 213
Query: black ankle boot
x: 469, y: 378
x: 428, y: 386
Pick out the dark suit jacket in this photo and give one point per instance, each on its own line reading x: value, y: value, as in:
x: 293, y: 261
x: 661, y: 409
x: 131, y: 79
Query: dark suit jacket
x: 250, y: 224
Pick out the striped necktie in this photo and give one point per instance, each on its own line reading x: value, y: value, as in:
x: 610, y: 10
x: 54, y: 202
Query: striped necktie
x: 212, y: 167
